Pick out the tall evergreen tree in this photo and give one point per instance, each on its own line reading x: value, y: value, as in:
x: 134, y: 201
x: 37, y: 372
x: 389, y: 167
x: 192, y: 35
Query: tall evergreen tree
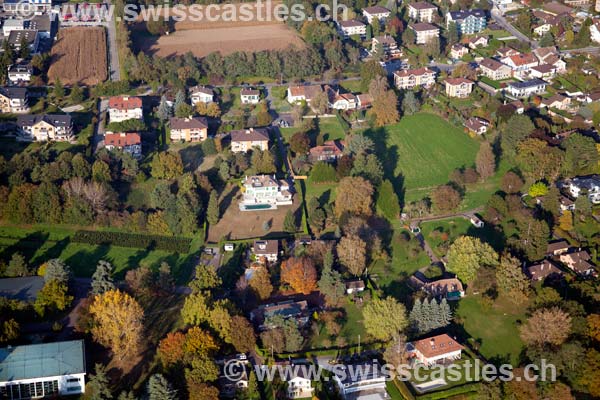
x: 416, y: 315
x: 212, y: 211
x: 160, y: 389
x: 289, y: 223
x: 102, y: 280
x: 97, y: 387
x: 164, y: 111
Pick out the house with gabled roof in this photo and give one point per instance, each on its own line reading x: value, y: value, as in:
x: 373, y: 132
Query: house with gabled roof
x: 411, y: 78
x: 521, y: 63
x: 477, y: 125
x: 434, y: 350
x: 557, y: 101
x: 494, y: 70
x: 267, y: 249
x: 458, y: 51
x: 244, y: 140
x: 504, y: 52
x: 543, y: 270
x: 422, y: 11
x: 122, y: 108
x: 13, y: 100
x: 249, y: 96
x: 543, y: 71
x: 557, y: 248
x: 379, y: 12
x: 329, y: 151
x: 297, y: 94
x: 45, y: 127
x: 340, y: 101
x: 579, y: 262
x: 450, y: 288
x: 128, y: 142
x: 188, y: 129
x: 201, y: 94
x: 477, y: 41
x: 458, y: 87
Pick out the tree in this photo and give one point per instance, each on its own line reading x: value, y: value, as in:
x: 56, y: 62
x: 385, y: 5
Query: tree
x: 410, y: 103
x: 160, y: 389
x: 467, y: 254
x: 384, y: 107
x: 547, y: 40
x: 510, y: 278
x: 164, y: 111
x: 56, y: 269
x: 428, y: 315
x: 368, y: 71
x: 289, y: 222
x: 581, y: 155
x: 518, y: 127
x: 59, y: 89
x: 184, y: 110
x: 546, y: 326
x: 300, y: 142
x: 593, y: 321
x: 320, y: 103
x: 260, y: 283
x: 531, y: 238
x: 590, y: 374
x: 331, y: 284
x: 538, y: 189
x: 76, y: 94
x: 445, y: 199
x: 97, y: 387
x: 369, y: 167
x: 166, y: 165
x: 511, y: 183
x: 300, y: 274
x: 117, y: 322
x: 387, y: 200
x: 171, y: 349
x: 352, y: 251
x: 212, y: 210
x: 539, y: 161
x: 384, y: 318
x: 53, y: 297
x: 565, y: 221
x: 17, y: 266
x: 157, y: 26
x: 243, y: 337
x: 486, y: 161
x: 395, y: 353
x: 354, y: 196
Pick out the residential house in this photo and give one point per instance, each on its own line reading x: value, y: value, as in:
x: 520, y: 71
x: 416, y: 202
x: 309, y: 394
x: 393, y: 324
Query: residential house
x: 494, y: 70
x: 360, y: 381
x: 267, y: 249
x: 264, y: 192
x: 541, y: 271
x: 477, y: 41
x: 458, y: 51
x: 411, y: 78
x: 129, y: 142
x: 467, y: 21
x: 381, y: 13
x: 247, y: 139
x: 556, y: 62
x: 25, y: 288
x: 566, y: 204
x: 521, y: 64
x: 504, y: 52
x: 122, y: 108
x: 541, y: 29
x: 557, y: 101
x: 579, y: 262
x: 299, y: 385
x: 387, y: 44
x: 298, y: 310
x: 45, y: 127
x: 229, y: 388
x: 433, y: 350
x: 340, y: 101
x: 477, y: 125
x: 43, y: 24
x: 451, y: 289
x: 330, y: 151
x: 201, y: 94
x: 12, y: 24
x: 354, y: 286
x: 526, y: 88
x: 29, y: 36
x: 18, y: 73
x: 458, y: 87
x: 250, y: 96
x: 422, y: 11
x: 556, y: 9
x: 189, y: 129
x: 543, y: 71
x: 595, y: 30
x: 297, y: 94
x: 47, y: 370
x: 542, y: 53
x: 518, y: 106
x: 364, y: 100
x: 351, y: 28
x: 557, y: 248
x: 424, y: 32
x: 585, y: 184
x: 13, y: 100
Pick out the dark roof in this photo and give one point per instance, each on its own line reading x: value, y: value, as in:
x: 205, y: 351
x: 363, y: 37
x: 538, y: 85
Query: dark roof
x: 543, y: 270
x: 188, y: 123
x: 266, y: 247
x: 24, y: 289
x: 15, y: 37
x: 422, y: 5
x: 57, y: 120
x: 492, y: 64
x: 376, y: 10
x: 13, y: 92
x: 350, y: 23
x: 42, y: 360
x: 560, y: 245
x: 424, y: 27
x: 40, y: 23
x: 460, y: 15
x: 529, y: 83
x: 249, y: 135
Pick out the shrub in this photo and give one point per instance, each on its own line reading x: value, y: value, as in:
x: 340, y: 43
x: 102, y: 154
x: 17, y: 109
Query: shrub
x: 174, y: 244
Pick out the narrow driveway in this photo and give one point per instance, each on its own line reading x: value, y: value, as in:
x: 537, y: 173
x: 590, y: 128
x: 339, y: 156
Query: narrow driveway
x: 500, y: 20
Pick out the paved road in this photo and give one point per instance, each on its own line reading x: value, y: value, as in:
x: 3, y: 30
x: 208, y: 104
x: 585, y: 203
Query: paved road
x: 98, y: 139
x: 446, y: 67
x: 591, y: 49
x: 500, y: 20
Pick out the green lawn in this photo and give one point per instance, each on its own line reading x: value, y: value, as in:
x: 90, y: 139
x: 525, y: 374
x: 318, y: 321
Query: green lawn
x: 494, y: 327
x: 41, y: 243
x: 351, y: 329
x: 328, y: 128
x: 279, y: 99
x: 422, y: 150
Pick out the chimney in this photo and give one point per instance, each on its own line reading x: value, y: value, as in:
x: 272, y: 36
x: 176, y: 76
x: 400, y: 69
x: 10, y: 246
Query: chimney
x: 432, y: 342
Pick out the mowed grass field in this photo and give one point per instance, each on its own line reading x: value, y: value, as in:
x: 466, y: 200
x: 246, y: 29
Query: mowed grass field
x: 422, y: 150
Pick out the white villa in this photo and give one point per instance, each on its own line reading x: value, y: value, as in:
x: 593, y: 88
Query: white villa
x: 264, y: 192
x: 434, y: 350
x: 585, y: 184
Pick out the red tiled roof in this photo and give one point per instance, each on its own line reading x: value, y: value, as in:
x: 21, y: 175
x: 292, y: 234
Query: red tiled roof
x: 437, y: 345
x: 125, y: 102
x: 122, y: 139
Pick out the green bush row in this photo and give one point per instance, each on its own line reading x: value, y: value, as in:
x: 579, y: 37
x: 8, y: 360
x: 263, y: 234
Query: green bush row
x: 134, y: 240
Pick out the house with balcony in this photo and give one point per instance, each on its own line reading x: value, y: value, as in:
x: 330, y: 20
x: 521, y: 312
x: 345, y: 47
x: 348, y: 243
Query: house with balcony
x: 265, y: 192
x: 458, y: 87
x: 358, y: 381
x: 201, y: 94
x: 249, y: 96
x: 458, y: 51
x: 299, y: 385
x: 583, y: 185
x: 467, y: 21
x: 411, y: 78
x: 521, y: 64
x: 379, y: 12
x: 189, y: 129
x: 351, y: 28
x: 13, y: 100
x: 45, y: 127
x: 122, y: 108
x: 387, y: 45
x: 440, y: 349
x: 329, y: 152
x: 526, y: 88
x: 129, y: 142
x: 494, y: 70
x: 424, y: 32
x: 18, y: 73
x: 244, y: 140
x: 422, y: 11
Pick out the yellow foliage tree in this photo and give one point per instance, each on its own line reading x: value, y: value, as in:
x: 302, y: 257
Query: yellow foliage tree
x: 566, y: 221
x: 117, y: 322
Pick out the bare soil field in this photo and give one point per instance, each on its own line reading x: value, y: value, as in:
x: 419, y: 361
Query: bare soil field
x: 236, y: 224
x: 79, y: 56
x: 201, y: 37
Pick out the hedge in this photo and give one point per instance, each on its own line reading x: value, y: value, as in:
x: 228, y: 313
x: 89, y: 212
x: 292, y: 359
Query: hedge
x: 155, y: 242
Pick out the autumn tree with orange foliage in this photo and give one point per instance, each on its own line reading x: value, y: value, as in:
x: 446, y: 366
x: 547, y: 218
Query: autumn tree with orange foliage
x: 117, y: 320
x: 300, y: 274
